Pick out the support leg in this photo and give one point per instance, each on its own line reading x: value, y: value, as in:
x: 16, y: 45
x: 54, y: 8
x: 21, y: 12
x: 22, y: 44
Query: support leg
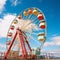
x: 6, y: 54
x: 24, y: 47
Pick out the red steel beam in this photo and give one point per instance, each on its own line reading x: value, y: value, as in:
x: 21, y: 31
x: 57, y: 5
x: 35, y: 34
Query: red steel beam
x: 6, y: 54
x: 23, y: 44
x: 29, y: 46
x: 27, y: 42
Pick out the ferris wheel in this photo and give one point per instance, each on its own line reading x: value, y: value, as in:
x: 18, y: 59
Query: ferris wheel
x: 27, y: 31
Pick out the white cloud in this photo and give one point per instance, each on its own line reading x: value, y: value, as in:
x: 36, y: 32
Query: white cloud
x: 48, y: 44
x: 2, y: 4
x: 2, y: 45
x: 15, y: 2
x: 55, y: 41
x: 5, y: 23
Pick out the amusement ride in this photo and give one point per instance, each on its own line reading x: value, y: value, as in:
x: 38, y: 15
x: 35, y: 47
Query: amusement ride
x: 24, y: 32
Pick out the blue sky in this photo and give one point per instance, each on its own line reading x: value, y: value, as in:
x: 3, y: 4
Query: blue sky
x: 51, y: 10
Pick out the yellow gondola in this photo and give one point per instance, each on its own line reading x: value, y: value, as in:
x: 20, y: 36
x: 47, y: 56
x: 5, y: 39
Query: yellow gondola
x: 41, y: 37
x: 25, y: 13
x: 35, y: 12
x: 15, y: 21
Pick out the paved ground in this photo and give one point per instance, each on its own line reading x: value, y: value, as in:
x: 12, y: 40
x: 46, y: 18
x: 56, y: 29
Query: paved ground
x: 49, y: 59
x: 31, y: 59
x: 1, y: 58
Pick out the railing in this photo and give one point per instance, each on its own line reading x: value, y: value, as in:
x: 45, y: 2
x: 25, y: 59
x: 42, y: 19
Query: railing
x: 51, y: 55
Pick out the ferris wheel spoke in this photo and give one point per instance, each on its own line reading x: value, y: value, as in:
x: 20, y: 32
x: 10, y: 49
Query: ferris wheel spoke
x: 33, y: 21
x: 32, y: 38
x: 42, y: 43
x: 29, y: 16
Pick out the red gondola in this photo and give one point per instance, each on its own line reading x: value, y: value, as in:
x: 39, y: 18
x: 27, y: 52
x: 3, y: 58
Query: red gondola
x: 9, y: 34
x: 40, y: 16
x: 42, y: 24
x: 8, y: 42
x: 19, y: 17
x: 30, y: 11
x: 12, y: 27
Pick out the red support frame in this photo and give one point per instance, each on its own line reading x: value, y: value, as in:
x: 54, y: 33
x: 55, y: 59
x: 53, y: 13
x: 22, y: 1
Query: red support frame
x: 6, y: 54
x: 24, y: 51
x: 23, y: 40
